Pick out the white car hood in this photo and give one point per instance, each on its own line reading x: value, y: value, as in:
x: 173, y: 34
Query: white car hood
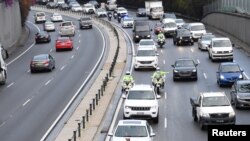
x: 146, y: 58
x: 141, y: 103
x: 219, y: 109
x: 131, y: 139
x: 222, y: 48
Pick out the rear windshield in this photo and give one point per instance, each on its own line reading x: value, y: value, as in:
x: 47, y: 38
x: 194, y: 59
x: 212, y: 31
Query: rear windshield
x: 40, y: 14
x: 67, y: 24
x: 131, y: 131
x: 40, y: 57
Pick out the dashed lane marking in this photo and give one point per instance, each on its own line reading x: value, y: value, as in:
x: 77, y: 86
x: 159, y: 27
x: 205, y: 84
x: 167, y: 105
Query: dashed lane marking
x: 164, y: 62
x: 205, y: 75
x: 166, y: 122
x: 26, y: 102
x: 10, y: 84
x: 198, y: 61
x: 47, y: 82
x: 165, y: 95
x: 62, y: 68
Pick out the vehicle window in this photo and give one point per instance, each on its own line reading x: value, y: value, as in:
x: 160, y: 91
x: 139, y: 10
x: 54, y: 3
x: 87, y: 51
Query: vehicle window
x: 207, y: 37
x: 170, y: 24
x: 67, y: 24
x: 146, y: 43
x: 244, y: 88
x: 40, y: 14
x: 127, y: 19
x: 179, y: 21
x: 131, y: 131
x: 230, y: 68
x: 85, y: 19
x: 221, y: 43
x: 137, y: 95
x: 170, y: 16
x: 215, y: 101
x: 146, y: 53
x: 183, y: 32
x: 184, y: 63
x: 197, y: 27
x: 40, y: 58
x: 142, y: 28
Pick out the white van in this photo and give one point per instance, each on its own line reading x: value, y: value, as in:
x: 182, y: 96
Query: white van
x: 3, y: 66
x: 197, y: 30
x: 169, y: 26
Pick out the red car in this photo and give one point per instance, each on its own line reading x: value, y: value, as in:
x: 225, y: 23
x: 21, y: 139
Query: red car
x: 63, y: 43
x: 158, y: 28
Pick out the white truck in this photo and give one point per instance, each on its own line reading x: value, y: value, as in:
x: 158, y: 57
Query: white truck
x: 3, y: 66
x: 111, y: 5
x: 154, y: 9
x: 212, y: 108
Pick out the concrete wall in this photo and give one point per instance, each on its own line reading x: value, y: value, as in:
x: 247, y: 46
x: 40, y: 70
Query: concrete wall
x: 10, y: 24
x: 236, y: 25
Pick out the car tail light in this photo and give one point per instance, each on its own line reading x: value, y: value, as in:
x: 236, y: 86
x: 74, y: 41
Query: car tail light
x: 46, y: 62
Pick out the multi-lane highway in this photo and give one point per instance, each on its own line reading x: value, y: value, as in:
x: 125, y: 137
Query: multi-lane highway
x: 30, y: 103
x: 176, y: 122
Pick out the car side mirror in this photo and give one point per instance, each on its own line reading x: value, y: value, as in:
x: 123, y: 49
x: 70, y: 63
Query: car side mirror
x: 110, y: 134
x: 152, y: 134
x: 123, y: 96
x: 194, y: 102
x: 151, y: 29
x: 209, y: 46
x: 196, y: 65
x: 233, y: 45
x: 5, y: 54
x: 133, y: 30
x: 172, y: 66
x: 158, y: 96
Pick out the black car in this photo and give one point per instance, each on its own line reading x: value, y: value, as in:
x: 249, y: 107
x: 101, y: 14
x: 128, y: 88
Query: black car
x: 64, y: 6
x: 42, y: 37
x: 42, y: 62
x: 240, y: 93
x: 182, y: 36
x: 141, y: 30
x: 141, y: 12
x: 185, y: 68
x: 51, y: 5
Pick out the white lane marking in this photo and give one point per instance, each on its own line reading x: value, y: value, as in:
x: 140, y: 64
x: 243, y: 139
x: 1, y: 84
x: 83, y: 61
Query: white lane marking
x: 2, y: 124
x: 165, y: 95
x: 26, y: 102
x: 10, y: 84
x: 192, y: 50
x: 34, y: 25
x: 205, y: 75
x: 72, y: 56
x: 164, y: 61
x: 198, y: 61
x: 79, y: 41
x: 79, y: 35
x: 28, y: 71
x: 50, y: 50
x: 161, y: 51
x: 47, y: 82
x: 246, y: 75
x: 166, y: 122
x: 62, y: 68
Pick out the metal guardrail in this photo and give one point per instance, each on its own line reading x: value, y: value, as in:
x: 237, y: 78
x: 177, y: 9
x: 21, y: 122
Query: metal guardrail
x: 95, y: 101
x: 232, y: 6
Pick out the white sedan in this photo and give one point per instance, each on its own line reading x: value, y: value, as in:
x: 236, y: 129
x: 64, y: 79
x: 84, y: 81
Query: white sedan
x: 127, y: 22
x: 56, y: 17
x: 49, y: 26
x: 100, y: 12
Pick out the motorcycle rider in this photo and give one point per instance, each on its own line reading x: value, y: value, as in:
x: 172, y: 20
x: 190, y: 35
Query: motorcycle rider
x: 109, y: 16
x: 158, y: 74
x: 127, y: 80
x: 119, y: 18
x: 161, y: 37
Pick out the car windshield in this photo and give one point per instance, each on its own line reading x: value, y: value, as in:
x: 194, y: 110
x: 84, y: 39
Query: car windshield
x: 42, y: 33
x: 56, y: 14
x: 40, y: 14
x: 244, y: 88
x: 184, y: 63
x: 221, y: 43
x: 170, y: 16
x: 183, y: 32
x: 230, y: 68
x: 142, y: 53
x: 49, y: 23
x: 170, y: 24
x: 145, y: 43
x: 40, y: 58
x: 197, y: 27
x: 141, y: 95
x: 85, y: 19
x: 142, y: 28
x: 131, y: 131
x: 215, y: 101
x: 179, y: 21
x: 207, y: 37
x: 128, y: 19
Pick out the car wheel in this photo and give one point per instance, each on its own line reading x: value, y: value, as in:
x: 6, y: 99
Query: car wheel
x: 192, y: 43
x: 236, y: 105
x: 196, y: 78
x: 174, y: 42
x: 32, y: 71
x: 156, y: 120
x: 201, y: 125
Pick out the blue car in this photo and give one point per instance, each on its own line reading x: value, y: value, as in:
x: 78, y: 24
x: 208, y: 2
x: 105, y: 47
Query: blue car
x: 228, y: 73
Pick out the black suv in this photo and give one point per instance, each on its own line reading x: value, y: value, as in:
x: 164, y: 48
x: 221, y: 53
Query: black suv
x: 182, y: 36
x: 141, y: 30
x: 240, y: 94
x: 85, y: 22
x: 185, y: 68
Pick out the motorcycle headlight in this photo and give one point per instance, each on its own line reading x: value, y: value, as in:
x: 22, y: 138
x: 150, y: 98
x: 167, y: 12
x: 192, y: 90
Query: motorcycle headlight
x: 136, y: 36
x: 148, y: 36
x: 240, y: 77
x: 194, y: 70
x: 205, y: 115
x: 231, y: 114
x: 180, y: 37
x: 222, y: 77
x: 176, y: 71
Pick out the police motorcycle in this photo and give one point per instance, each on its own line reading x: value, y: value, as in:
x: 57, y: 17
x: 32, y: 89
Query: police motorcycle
x: 158, y: 83
x: 126, y: 86
x: 161, y: 41
x: 109, y: 16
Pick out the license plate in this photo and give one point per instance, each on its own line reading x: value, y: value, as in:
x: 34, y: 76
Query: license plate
x: 220, y: 121
x: 140, y: 113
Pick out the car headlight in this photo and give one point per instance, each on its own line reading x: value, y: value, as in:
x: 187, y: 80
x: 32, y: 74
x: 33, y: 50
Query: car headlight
x: 194, y: 70
x: 176, y: 71
x: 204, y: 114
x: 237, y: 96
x: 222, y: 77
x: 126, y: 107
x: 213, y: 51
x: 240, y: 77
x: 136, y: 36
x: 154, y: 107
x: 148, y: 36
x: 231, y: 114
x: 231, y: 51
x: 180, y: 37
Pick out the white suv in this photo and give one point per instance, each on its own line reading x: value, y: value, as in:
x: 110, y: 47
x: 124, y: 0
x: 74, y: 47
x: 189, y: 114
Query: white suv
x: 197, y: 30
x: 220, y: 48
x: 132, y: 130
x: 67, y: 28
x: 141, y: 101
x: 146, y: 57
x: 40, y: 17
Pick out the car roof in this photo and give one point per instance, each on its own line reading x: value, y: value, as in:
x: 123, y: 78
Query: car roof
x: 193, y: 24
x: 220, y: 38
x: 132, y: 122
x: 144, y: 87
x: 212, y: 94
